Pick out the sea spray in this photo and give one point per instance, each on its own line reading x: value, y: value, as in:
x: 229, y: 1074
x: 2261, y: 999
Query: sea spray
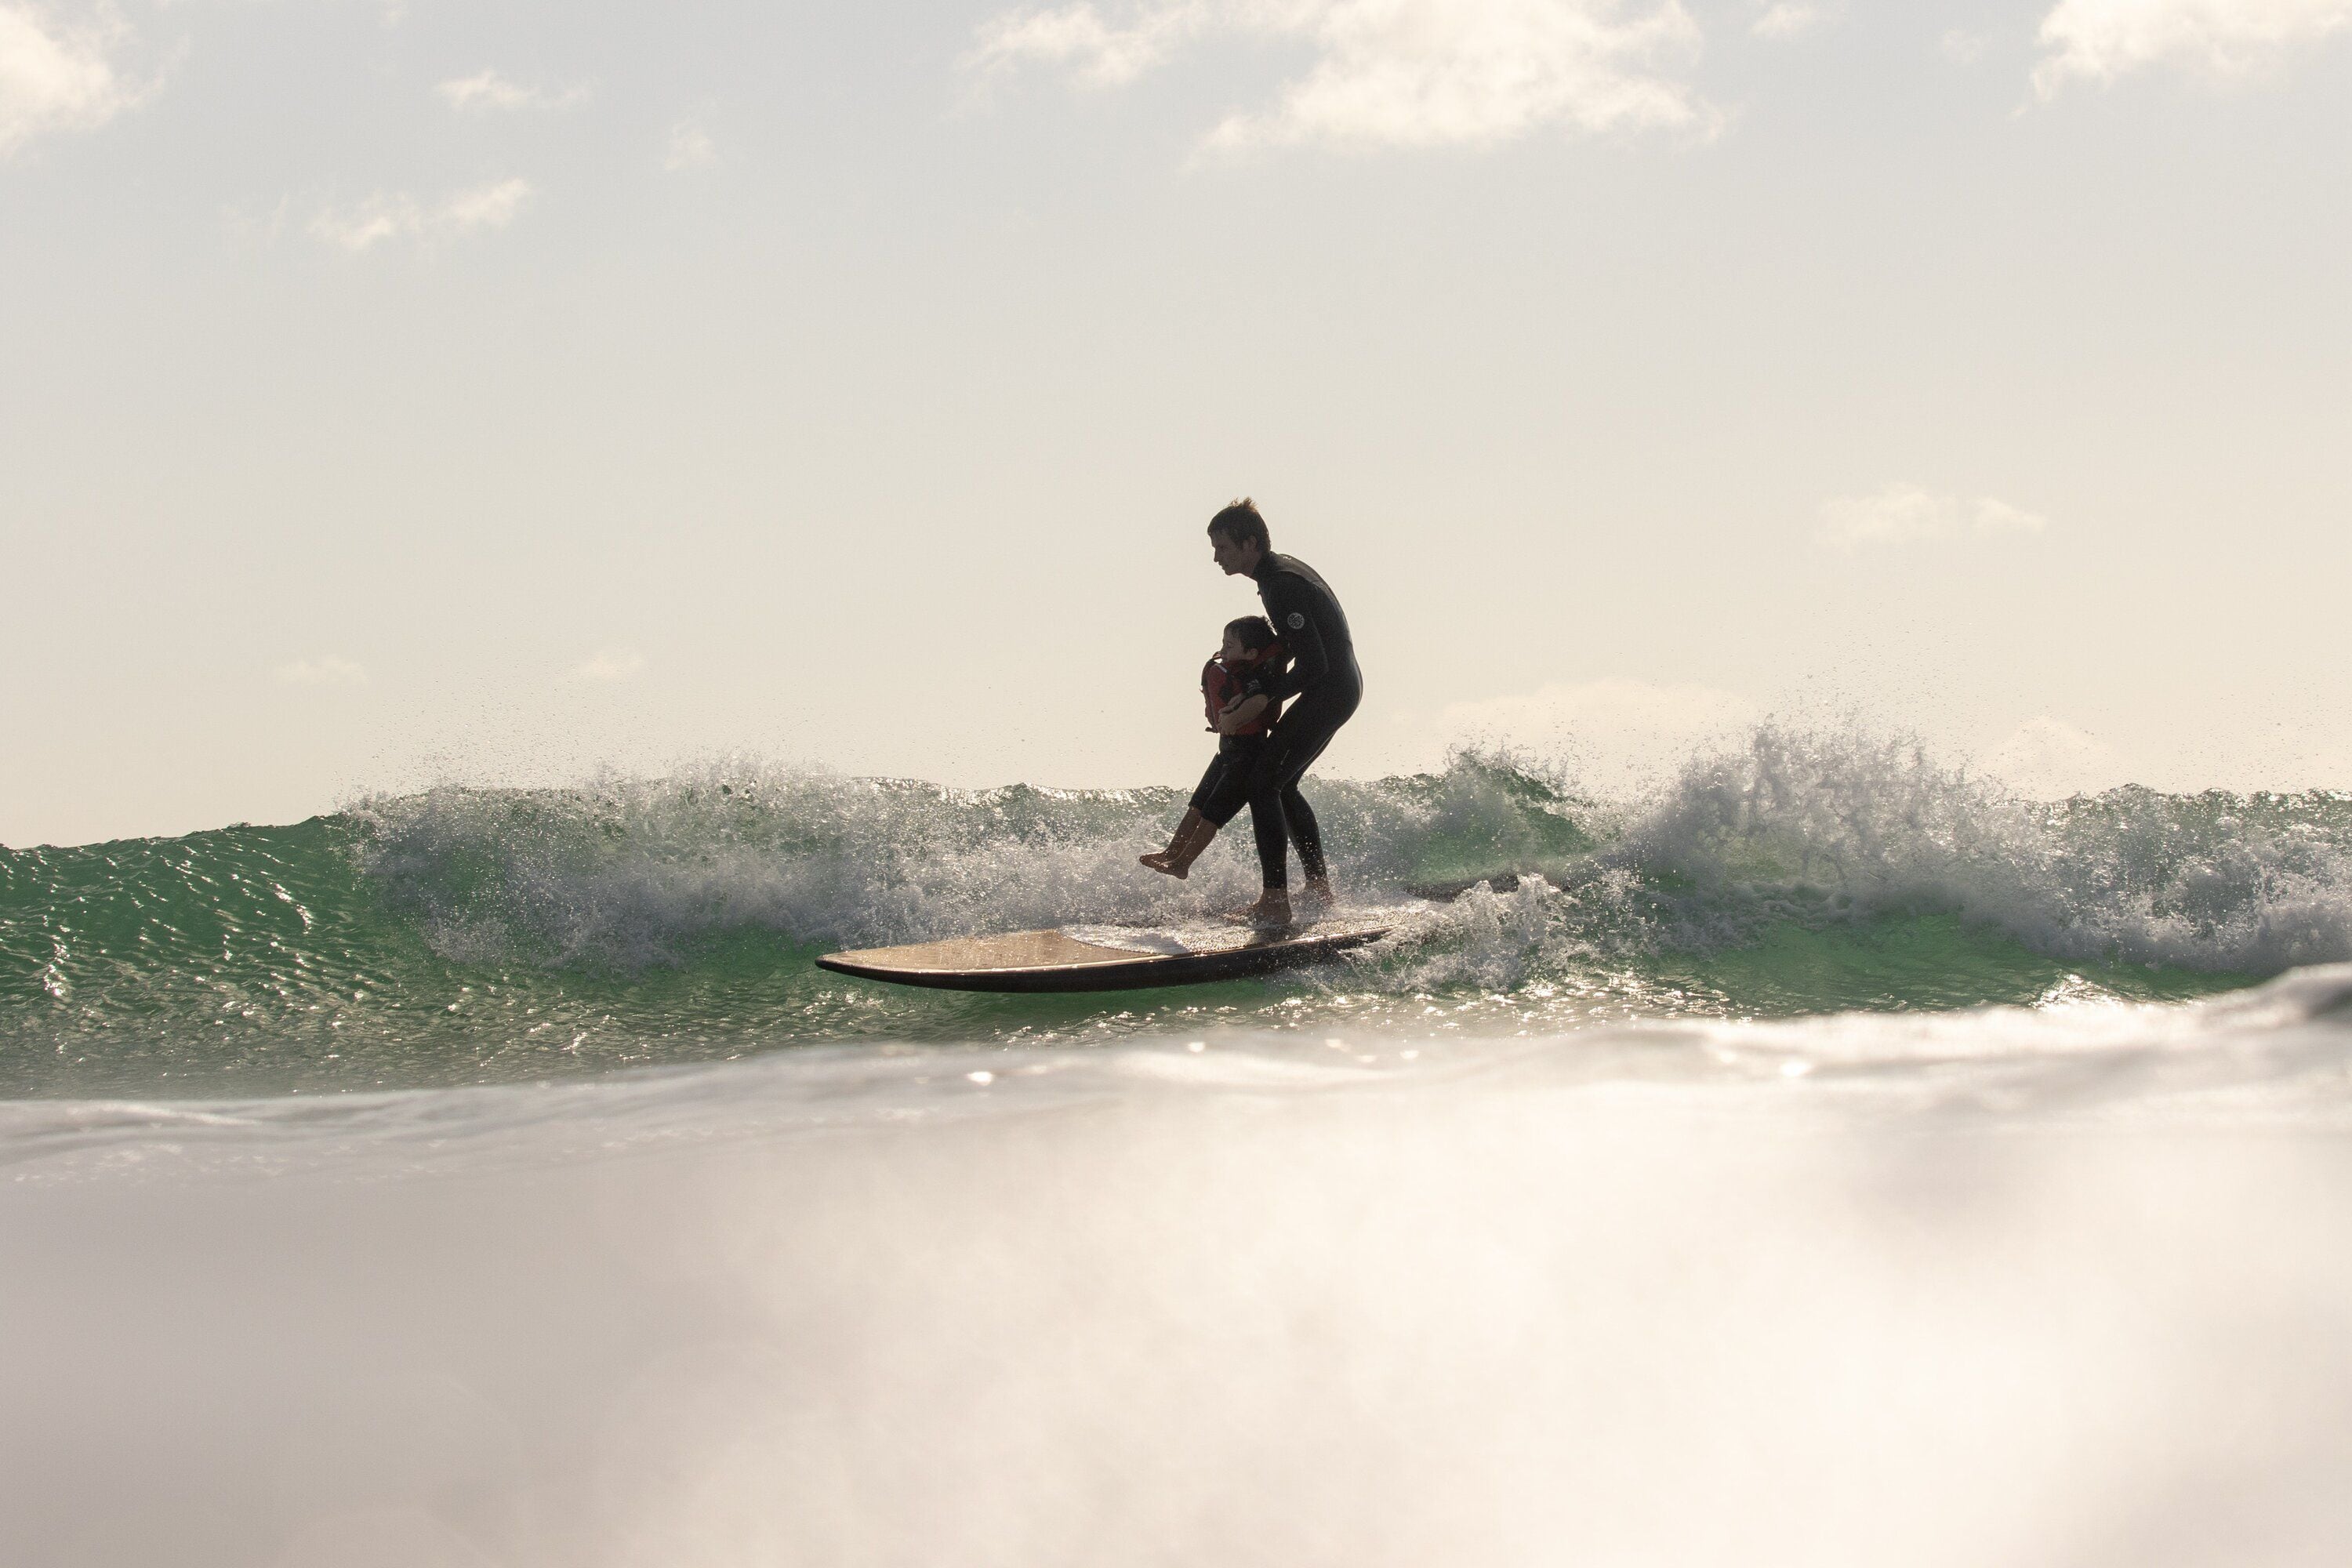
x: 1853, y: 823
x: 622, y: 870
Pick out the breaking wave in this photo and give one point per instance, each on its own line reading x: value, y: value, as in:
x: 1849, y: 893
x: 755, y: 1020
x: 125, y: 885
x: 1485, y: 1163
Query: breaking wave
x: 465, y: 934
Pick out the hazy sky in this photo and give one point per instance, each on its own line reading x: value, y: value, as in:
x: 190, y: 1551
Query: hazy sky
x: 497, y: 391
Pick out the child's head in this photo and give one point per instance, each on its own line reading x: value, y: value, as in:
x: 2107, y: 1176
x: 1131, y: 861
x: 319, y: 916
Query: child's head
x: 1248, y: 638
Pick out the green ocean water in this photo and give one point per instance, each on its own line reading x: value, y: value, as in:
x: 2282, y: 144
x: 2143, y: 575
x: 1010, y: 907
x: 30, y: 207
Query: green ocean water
x: 464, y: 935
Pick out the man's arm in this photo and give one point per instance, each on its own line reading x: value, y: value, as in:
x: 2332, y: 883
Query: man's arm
x: 1241, y: 713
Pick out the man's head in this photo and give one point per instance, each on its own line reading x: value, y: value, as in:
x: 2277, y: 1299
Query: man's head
x: 1237, y: 539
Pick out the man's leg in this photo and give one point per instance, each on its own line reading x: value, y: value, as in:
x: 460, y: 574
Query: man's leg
x: 1298, y: 738
x: 1304, y: 833
x: 1273, y: 843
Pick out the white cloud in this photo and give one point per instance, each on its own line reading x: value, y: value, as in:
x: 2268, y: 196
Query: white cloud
x: 1093, y: 50
x: 612, y: 664
x: 1902, y: 513
x: 2098, y: 40
x: 489, y: 91
x: 485, y: 207
x: 690, y: 147
x: 1396, y: 72
x: 1960, y: 47
x: 1787, y: 19
x: 57, y: 75
x: 400, y: 215
x: 2047, y: 758
x: 327, y: 671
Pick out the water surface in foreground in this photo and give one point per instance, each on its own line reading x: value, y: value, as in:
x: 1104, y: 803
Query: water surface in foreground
x: 2063, y: 1284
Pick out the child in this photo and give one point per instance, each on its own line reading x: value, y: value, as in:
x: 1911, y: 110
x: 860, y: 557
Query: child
x: 1236, y: 678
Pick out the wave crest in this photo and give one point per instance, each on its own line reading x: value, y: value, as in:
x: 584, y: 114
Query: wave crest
x: 624, y: 869
x: 1859, y: 824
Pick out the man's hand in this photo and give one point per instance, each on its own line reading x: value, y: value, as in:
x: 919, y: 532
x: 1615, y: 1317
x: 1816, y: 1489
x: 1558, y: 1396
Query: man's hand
x: 1240, y: 714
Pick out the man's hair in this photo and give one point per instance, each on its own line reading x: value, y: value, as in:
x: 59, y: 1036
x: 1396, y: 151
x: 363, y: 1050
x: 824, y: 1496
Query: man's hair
x: 1241, y: 523
x: 1255, y: 635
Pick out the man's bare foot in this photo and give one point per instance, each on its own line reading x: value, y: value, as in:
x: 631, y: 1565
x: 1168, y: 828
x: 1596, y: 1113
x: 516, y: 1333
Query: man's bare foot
x: 1316, y: 894
x: 1272, y: 909
x: 1164, y: 861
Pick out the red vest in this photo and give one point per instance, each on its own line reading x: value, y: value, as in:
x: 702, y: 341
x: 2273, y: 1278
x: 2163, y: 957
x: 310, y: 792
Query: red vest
x: 1220, y: 685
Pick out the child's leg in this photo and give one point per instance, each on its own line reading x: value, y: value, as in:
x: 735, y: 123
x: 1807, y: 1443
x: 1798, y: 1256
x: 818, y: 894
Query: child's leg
x: 1224, y: 788
x: 1214, y: 803
x: 1184, y: 845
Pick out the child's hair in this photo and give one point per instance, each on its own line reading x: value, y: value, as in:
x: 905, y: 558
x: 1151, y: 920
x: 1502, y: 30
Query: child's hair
x: 1255, y: 635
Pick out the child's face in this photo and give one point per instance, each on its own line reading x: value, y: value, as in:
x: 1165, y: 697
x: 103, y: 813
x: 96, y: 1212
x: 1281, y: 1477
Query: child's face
x: 1234, y: 652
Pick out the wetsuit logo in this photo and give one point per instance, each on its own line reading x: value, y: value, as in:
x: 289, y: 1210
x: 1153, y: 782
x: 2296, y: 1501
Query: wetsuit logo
x: 1297, y: 620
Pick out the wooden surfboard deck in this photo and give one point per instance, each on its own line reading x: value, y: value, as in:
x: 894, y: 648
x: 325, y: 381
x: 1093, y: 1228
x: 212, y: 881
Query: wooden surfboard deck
x: 1105, y: 957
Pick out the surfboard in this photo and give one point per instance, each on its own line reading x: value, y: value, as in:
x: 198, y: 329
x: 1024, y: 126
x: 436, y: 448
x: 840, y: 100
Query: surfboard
x: 1107, y: 958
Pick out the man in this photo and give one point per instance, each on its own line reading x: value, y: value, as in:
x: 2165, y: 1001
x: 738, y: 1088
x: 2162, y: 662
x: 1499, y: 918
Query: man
x: 1324, y: 679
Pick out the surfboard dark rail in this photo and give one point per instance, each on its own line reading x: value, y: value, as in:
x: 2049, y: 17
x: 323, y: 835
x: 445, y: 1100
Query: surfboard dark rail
x: 1042, y: 961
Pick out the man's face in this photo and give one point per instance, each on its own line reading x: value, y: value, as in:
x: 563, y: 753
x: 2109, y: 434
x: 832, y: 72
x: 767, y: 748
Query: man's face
x: 1235, y: 558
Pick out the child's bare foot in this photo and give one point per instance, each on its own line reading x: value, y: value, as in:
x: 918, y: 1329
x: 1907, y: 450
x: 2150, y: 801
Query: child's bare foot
x: 1192, y: 836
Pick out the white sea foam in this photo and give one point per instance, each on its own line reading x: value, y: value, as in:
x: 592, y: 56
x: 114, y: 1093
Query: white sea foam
x: 623, y: 868
x: 1815, y: 825
x: 2210, y: 882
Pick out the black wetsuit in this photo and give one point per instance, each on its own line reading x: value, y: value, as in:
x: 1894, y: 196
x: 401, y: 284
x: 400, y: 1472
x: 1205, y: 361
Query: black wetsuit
x: 1324, y: 677
x: 1224, y: 788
